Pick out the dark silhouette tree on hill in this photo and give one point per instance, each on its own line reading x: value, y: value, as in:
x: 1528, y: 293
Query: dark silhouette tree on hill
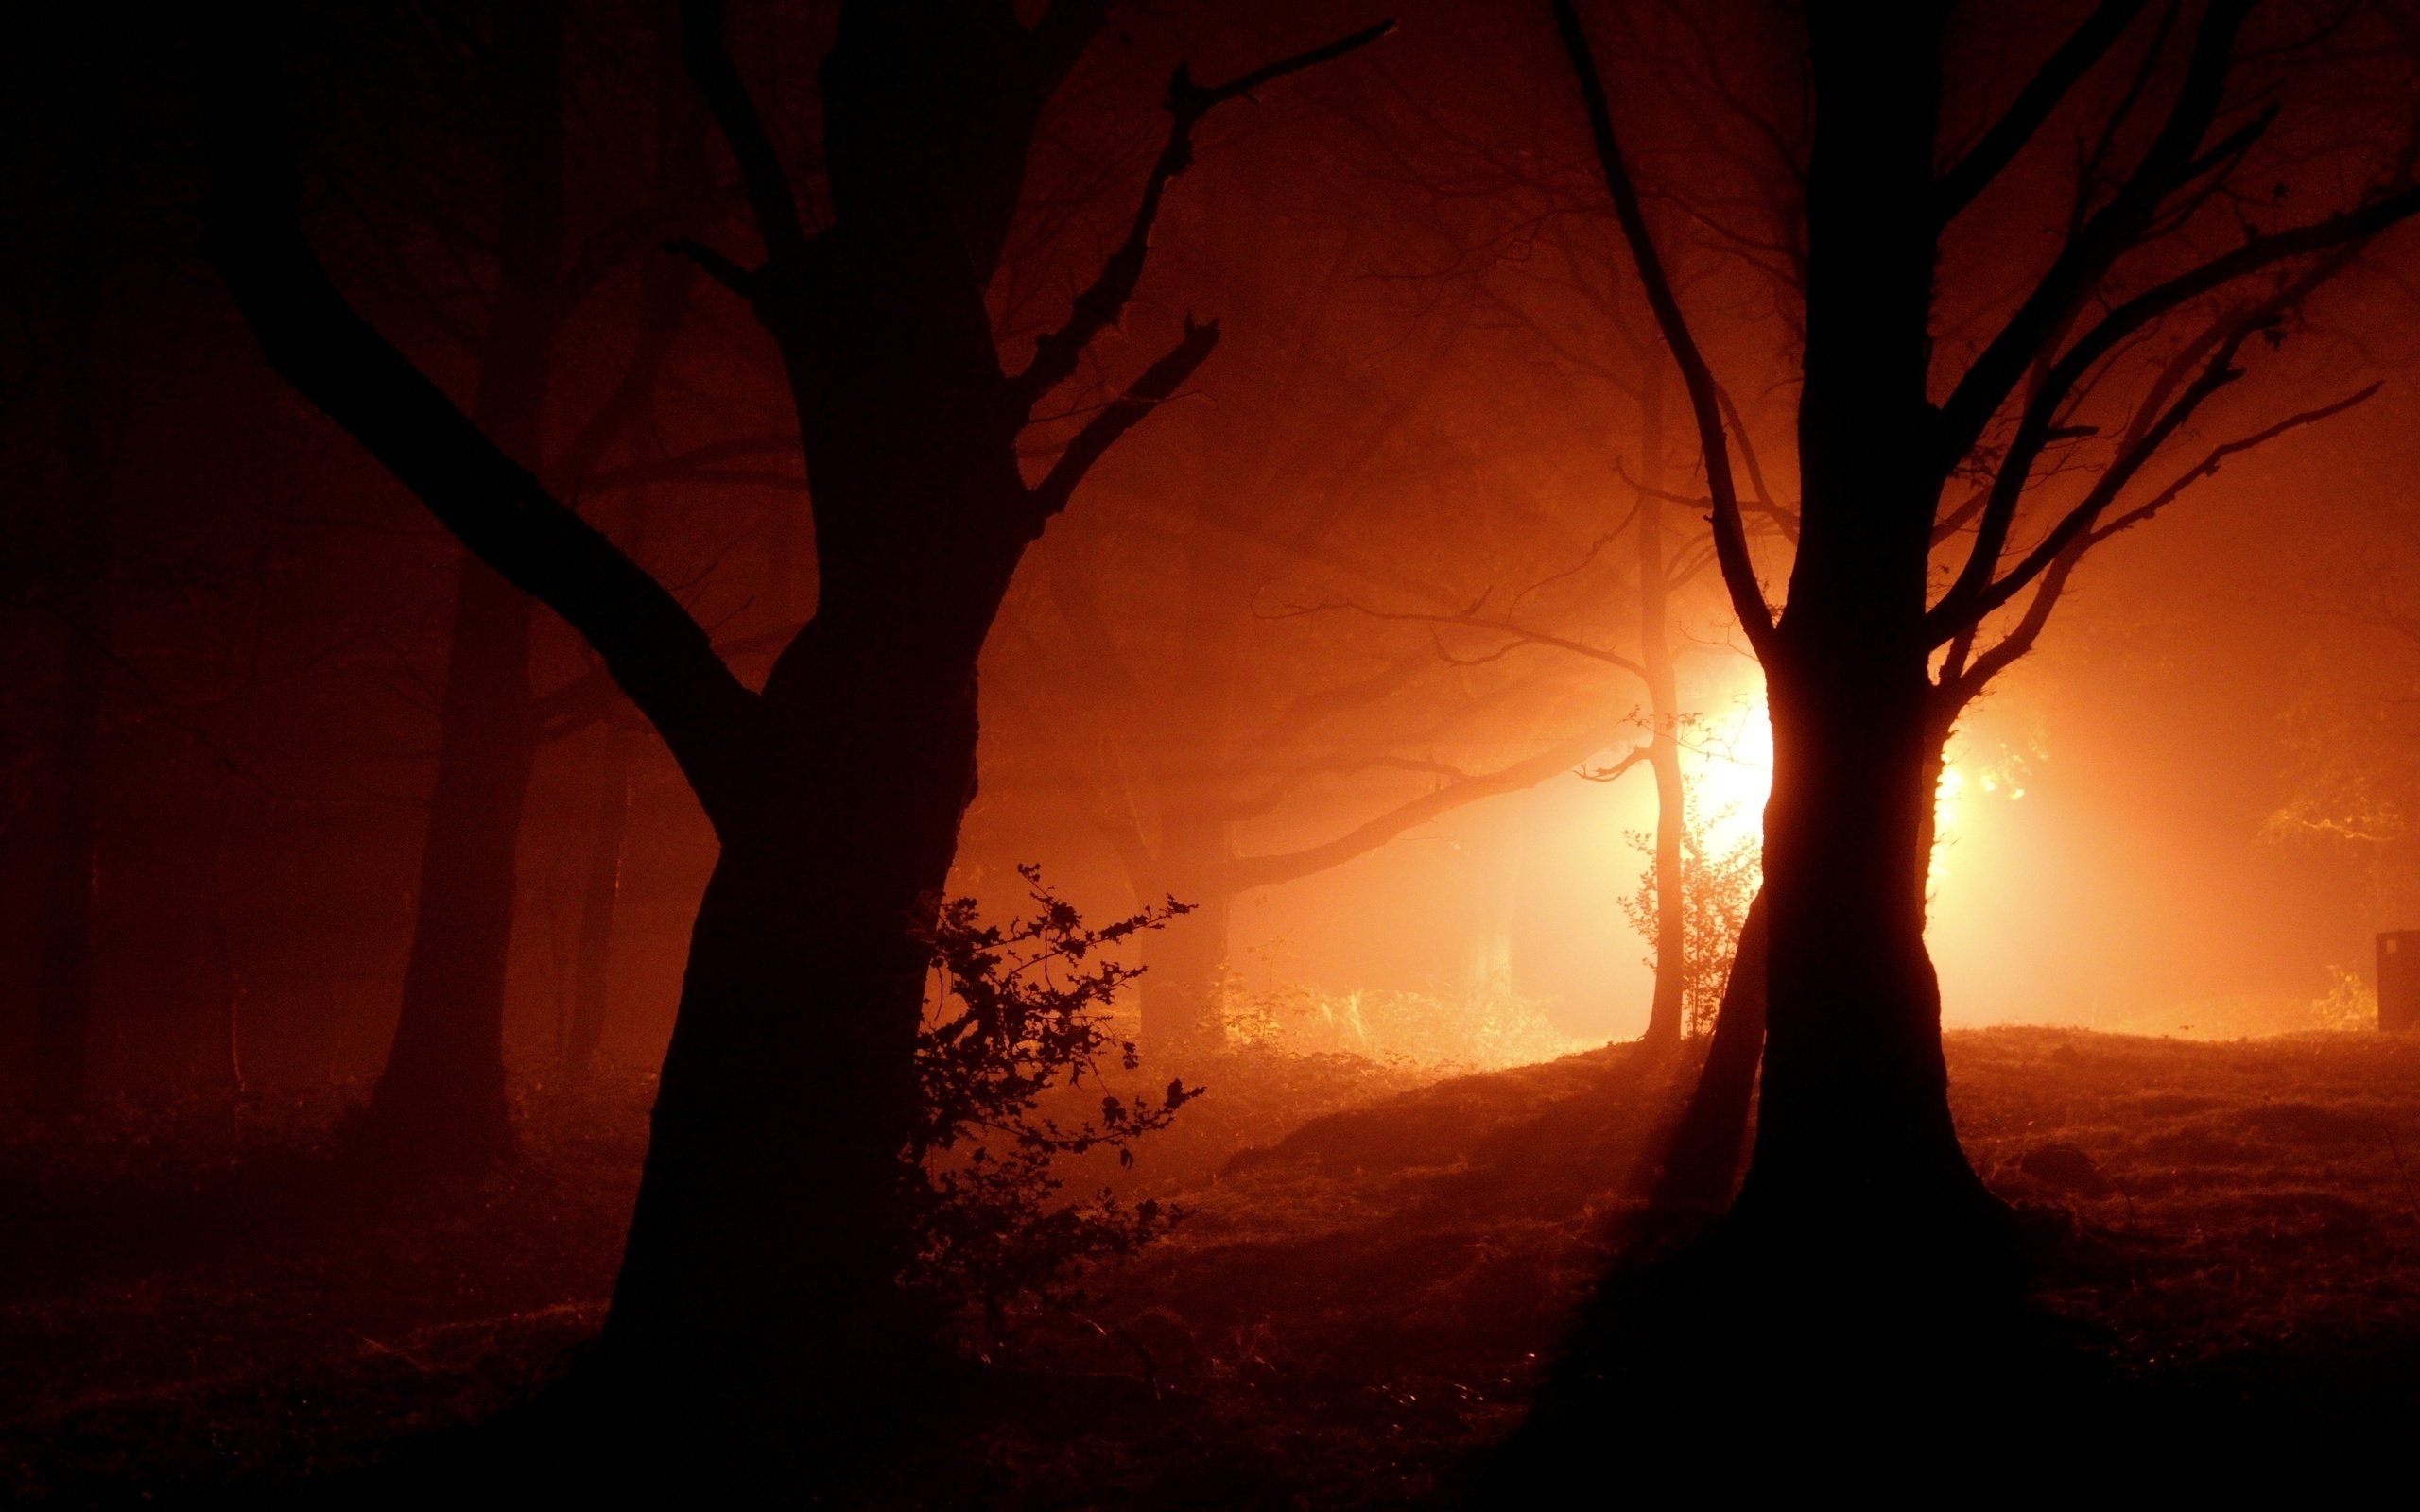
x: 760, y: 1279
x: 1857, y: 1189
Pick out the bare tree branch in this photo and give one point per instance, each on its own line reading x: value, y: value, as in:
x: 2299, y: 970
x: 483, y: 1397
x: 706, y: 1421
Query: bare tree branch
x: 716, y: 266
x: 1515, y: 634
x: 2035, y: 429
x: 1955, y: 190
x: 2107, y: 235
x: 1101, y: 432
x: 1099, y: 306
x: 1264, y: 871
x: 1615, y: 772
x: 1784, y: 518
x: 2210, y: 465
x: 1954, y: 613
x: 1730, y: 533
x: 659, y: 654
x: 769, y: 197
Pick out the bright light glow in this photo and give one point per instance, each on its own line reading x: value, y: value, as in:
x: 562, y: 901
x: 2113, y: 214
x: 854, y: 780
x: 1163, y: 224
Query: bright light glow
x: 1728, y: 760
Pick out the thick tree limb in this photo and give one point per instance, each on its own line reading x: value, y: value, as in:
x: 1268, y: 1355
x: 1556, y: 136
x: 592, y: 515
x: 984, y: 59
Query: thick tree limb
x: 589, y: 696
x: 1146, y: 393
x: 1943, y: 622
x: 1956, y: 189
x: 316, y: 341
x: 1267, y: 872
x: 1099, y: 306
x: 716, y: 266
x: 1730, y: 533
x: 769, y: 197
x: 1614, y: 773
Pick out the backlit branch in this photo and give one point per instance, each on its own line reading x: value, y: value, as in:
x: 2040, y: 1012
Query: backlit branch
x: 314, y: 339
x: 2105, y: 236
x: 1730, y: 533
x: 2219, y: 372
x: 1099, y: 305
x: 1784, y: 518
x: 1515, y: 634
x: 662, y: 303
x: 769, y: 197
x: 2210, y: 465
x: 1265, y: 871
x: 1614, y: 773
x: 1955, y: 190
x: 2034, y: 430
x: 1146, y: 393
x: 716, y: 266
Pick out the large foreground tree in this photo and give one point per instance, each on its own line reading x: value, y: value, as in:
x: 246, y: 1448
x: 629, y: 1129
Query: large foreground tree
x: 761, y: 1276
x: 1943, y: 505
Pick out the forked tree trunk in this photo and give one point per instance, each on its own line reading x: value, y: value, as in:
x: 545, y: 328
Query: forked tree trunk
x: 767, y: 1240
x: 1855, y: 1153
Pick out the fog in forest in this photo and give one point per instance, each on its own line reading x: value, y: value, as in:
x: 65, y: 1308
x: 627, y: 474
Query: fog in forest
x: 1362, y: 652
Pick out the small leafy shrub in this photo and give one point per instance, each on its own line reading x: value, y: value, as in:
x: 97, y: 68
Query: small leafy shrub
x: 1717, y: 886
x: 1015, y: 1015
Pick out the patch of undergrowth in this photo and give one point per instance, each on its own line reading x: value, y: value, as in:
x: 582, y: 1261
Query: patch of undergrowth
x: 1017, y: 1012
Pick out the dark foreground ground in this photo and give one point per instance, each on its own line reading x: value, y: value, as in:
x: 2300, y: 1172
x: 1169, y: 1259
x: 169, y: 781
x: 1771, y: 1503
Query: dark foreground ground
x: 194, y: 1308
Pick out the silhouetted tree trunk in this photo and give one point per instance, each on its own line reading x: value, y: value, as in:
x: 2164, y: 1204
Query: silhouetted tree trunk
x: 1664, y: 711
x: 1856, y: 1157
x: 607, y: 835
x: 760, y: 1279
x: 1854, y: 1130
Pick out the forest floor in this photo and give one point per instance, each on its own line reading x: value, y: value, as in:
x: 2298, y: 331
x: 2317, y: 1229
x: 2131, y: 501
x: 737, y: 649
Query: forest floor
x: 191, y: 1305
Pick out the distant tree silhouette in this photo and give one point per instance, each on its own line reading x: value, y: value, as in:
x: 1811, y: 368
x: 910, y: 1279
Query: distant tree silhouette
x: 761, y: 1276
x: 1857, y: 1191
x: 1180, y: 764
x: 440, y: 1103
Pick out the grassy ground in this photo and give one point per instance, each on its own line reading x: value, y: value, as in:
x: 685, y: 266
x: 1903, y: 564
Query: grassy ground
x: 1358, y: 1305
